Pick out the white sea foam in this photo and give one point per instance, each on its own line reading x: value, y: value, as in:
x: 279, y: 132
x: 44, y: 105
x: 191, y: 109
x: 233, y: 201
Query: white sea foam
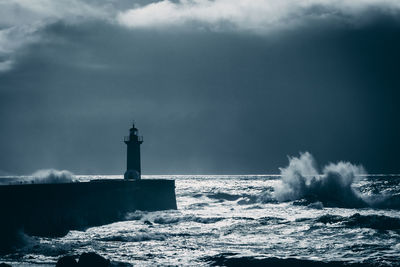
x: 45, y: 176
x: 301, y: 179
x: 51, y: 176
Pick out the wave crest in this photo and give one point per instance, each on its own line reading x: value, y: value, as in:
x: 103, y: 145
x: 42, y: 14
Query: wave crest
x: 52, y: 176
x: 333, y: 187
x: 373, y: 221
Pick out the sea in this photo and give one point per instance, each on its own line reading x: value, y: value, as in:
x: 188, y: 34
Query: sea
x: 239, y: 220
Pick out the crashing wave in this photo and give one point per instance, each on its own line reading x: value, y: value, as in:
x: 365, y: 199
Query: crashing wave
x: 46, y: 176
x: 52, y: 176
x: 301, y: 180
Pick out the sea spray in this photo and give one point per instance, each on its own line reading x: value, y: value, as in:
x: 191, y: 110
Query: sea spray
x: 45, y: 176
x: 301, y: 180
x: 52, y: 176
x: 296, y: 178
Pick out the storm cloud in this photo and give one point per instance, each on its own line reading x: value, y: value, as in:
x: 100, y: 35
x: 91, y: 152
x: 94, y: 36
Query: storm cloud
x: 22, y: 22
x: 214, y: 86
x: 260, y: 16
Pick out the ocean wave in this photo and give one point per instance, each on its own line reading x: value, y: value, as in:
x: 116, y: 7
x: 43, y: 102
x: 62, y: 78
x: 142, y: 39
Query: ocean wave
x: 207, y: 220
x: 301, y: 180
x: 245, y: 199
x: 329, y: 218
x: 271, y: 220
x: 169, y: 219
x: 231, y: 259
x: 316, y: 205
x: 267, y: 197
x: 45, y: 176
x: 224, y: 196
x: 189, y: 218
x: 52, y: 176
x: 134, y: 238
x: 134, y: 216
x: 198, y: 205
x: 302, y: 183
x: 377, y: 222
x: 255, y: 207
x: 384, y: 201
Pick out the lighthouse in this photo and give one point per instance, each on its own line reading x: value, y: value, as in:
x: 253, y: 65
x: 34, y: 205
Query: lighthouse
x: 133, y: 141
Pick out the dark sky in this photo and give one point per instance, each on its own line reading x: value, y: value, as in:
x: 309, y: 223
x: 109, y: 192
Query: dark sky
x: 212, y: 93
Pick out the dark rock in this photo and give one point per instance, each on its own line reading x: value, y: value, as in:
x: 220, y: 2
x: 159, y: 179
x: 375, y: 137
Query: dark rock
x: 92, y: 259
x: 67, y: 261
x: 5, y: 265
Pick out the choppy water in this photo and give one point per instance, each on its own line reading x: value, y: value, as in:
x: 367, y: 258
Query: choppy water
x: 237, y: 216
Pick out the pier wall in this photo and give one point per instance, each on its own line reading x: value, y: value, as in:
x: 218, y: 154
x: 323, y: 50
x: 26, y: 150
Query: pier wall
x: 54, y: 209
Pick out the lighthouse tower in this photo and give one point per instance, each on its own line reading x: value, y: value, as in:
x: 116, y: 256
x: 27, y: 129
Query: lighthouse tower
x: 133, y: 141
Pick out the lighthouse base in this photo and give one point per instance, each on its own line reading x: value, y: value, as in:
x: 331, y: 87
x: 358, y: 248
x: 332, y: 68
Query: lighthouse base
x: 132, y: 175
